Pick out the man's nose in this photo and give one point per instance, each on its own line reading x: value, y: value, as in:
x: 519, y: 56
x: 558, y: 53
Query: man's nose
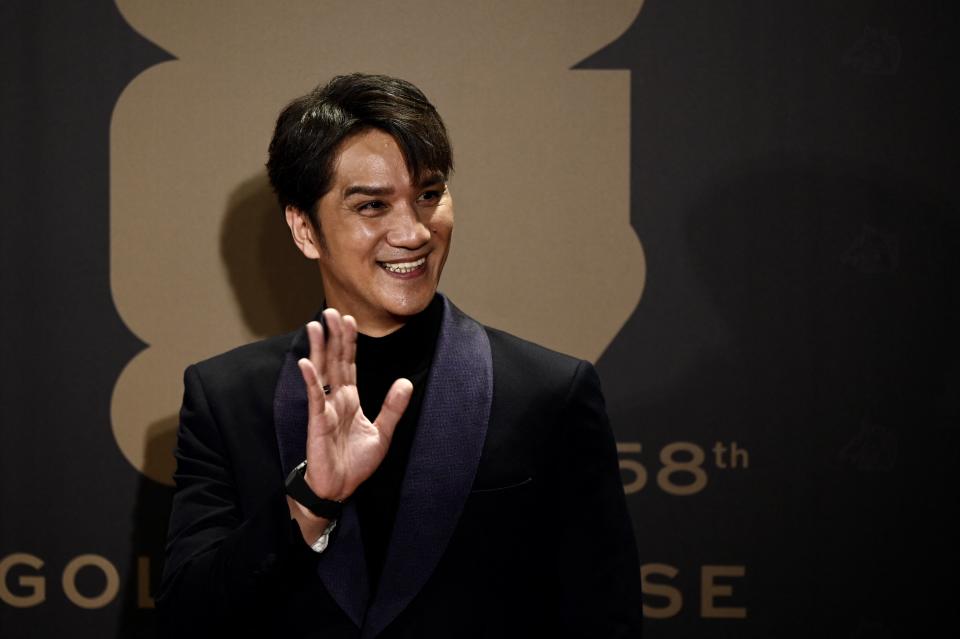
x: 408, y: 228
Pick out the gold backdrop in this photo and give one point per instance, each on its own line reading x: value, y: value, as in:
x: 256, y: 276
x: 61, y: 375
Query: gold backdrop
x: 200, y: 258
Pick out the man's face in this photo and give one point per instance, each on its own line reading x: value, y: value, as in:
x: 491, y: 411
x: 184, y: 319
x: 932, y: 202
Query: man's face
x: 385, y: 239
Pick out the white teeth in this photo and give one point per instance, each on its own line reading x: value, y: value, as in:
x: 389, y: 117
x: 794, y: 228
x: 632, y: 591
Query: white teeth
x: 403, y: 267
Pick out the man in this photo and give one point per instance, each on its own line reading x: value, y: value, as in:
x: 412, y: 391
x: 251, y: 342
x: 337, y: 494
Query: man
x: 395, y: 469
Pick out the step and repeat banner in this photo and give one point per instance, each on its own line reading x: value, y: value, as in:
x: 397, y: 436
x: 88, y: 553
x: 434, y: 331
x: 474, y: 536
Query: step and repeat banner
x: 745, y: 213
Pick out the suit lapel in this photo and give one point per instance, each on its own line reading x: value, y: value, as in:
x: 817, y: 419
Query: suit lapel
x: 341, y: 567
x: 440, y: 472
x: 442, y: 465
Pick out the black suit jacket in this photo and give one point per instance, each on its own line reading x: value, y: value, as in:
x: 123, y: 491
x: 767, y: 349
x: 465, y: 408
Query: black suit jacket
x: 511, y: 522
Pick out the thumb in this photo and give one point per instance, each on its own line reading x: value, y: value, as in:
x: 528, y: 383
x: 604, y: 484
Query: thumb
x: 396, y: 401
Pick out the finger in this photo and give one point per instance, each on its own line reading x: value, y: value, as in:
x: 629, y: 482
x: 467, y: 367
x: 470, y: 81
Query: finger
x: 349, y: 349
x: 343, y: 351
x: 316, y: 400
x: 334, y: 352
x: 316, y: 339
x: 396, y: 401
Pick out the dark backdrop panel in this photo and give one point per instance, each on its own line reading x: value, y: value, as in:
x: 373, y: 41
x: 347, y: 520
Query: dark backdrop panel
x: 64, y: 490
x: 791, y: 182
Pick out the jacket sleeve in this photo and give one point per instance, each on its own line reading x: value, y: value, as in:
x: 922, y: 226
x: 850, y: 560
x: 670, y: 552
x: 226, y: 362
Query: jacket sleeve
x: 596, y: 552
x: 223, y: 565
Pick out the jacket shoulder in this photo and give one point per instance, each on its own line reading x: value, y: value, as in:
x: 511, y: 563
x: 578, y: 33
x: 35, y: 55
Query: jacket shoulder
x: 251, y: 363
x: 529, y: 365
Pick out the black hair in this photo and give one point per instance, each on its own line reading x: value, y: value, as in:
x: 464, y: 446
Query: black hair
x: 311, y: 129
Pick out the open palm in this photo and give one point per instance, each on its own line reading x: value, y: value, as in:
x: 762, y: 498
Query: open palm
x: 343, y: 446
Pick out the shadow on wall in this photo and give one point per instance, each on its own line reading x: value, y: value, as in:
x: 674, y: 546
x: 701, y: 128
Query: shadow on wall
x: 277, y: 289
x: 161, y: 438
x: 149, y: 532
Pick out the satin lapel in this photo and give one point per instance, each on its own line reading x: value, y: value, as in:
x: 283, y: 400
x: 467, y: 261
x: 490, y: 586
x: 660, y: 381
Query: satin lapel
x: 442, y: 465
x: 341, y: 567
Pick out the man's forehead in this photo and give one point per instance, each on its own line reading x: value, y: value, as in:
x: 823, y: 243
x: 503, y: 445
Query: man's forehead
x: 374, y: 158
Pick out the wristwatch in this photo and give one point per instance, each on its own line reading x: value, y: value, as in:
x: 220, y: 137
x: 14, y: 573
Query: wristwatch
x: 298, y: 489
x: 327, y: 508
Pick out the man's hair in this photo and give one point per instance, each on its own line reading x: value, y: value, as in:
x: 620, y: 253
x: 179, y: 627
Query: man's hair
x: 311, y: 129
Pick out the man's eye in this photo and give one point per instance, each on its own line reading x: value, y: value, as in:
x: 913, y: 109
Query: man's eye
x: 372, y: 206
x: 430, y: 196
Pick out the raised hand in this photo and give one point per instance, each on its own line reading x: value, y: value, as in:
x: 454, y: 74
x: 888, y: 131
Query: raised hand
x: 343, y: 446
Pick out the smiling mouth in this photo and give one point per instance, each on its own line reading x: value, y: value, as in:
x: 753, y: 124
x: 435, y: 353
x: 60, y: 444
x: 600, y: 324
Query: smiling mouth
x: 403, y: 267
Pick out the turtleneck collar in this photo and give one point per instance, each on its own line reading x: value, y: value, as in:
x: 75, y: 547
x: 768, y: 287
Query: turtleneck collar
x: 406, y: 350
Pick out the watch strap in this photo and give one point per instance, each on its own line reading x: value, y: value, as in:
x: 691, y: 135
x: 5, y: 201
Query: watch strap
x: 297, y: 488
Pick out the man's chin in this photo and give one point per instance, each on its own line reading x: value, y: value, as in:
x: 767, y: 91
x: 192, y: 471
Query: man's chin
x: 394, y: 313
x: 407, y: 307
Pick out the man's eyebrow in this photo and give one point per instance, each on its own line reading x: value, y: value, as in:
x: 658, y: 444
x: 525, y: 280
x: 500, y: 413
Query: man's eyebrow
x: 366, y: 189
x: 374, y: 191
x: 431, y: 180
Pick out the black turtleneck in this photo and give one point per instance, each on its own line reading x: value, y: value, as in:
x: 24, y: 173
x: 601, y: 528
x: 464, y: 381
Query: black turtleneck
x: 407, y: 352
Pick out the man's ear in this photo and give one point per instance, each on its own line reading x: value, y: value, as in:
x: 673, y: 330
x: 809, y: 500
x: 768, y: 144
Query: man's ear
x: 304, y: 235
